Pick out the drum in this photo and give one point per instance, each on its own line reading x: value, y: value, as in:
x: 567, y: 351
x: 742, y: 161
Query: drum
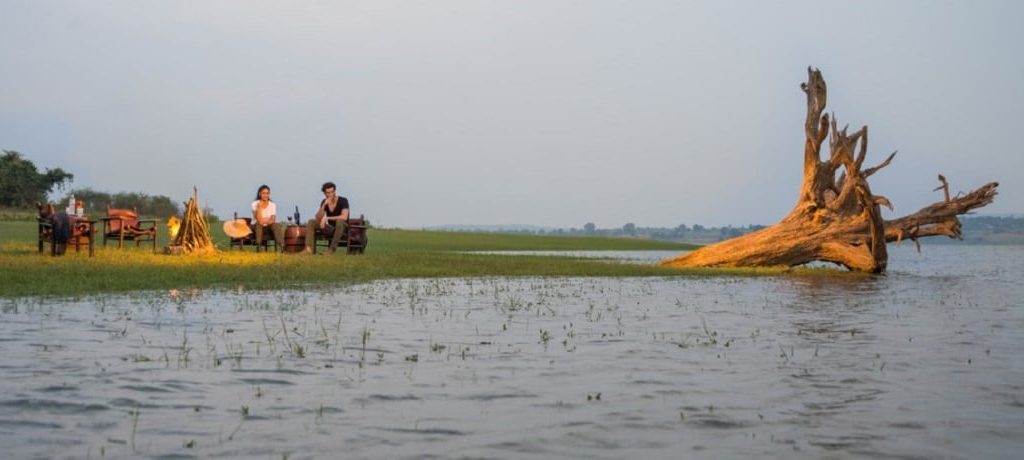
x: 294, y: 238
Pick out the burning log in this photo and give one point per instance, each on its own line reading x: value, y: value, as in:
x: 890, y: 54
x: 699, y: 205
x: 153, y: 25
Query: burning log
x: 837, y: 218
x: 193, y: 233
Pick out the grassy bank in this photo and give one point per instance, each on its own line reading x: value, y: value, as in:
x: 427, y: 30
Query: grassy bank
x: 391, y: 254
x: 17, y: 214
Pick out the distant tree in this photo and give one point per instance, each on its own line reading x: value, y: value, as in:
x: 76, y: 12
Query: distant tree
x: 147, y: 205
x: 163, y: 206
x: 21, y: 184
x: 590, y: 228
x: 629, y: 228
x: 93, y: 199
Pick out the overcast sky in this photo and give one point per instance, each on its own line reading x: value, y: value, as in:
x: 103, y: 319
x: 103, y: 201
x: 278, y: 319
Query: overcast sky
x: 553, y: 113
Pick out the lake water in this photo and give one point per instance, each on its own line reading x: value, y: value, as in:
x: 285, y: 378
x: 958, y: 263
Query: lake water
x: 924, y: 362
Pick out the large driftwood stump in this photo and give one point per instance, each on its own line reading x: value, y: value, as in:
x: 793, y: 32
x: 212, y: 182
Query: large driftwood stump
x: 837, y: 218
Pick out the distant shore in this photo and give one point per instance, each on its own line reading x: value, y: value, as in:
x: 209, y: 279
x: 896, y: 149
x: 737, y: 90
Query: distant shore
x: 977, y: 229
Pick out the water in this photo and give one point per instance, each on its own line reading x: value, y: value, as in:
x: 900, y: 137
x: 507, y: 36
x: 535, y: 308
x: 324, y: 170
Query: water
x: 924, y: 362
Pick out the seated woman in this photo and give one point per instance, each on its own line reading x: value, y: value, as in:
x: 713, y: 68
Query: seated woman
x: 264, y: 216
x: 331, y: 218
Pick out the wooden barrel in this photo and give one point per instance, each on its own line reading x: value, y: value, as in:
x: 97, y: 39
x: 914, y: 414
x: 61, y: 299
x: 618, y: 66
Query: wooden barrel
x: 294, y: 238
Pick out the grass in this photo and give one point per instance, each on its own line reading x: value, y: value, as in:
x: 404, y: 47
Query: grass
x: 405, y: 241
x: 18, y: 214
x: 391, y: 254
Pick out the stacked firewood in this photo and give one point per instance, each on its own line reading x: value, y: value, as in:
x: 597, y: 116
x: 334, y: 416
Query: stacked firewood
x: 194, y: 233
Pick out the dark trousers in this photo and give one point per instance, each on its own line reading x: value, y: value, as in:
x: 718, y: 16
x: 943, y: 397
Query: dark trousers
x: 337, y: 232
x: 274, y: 228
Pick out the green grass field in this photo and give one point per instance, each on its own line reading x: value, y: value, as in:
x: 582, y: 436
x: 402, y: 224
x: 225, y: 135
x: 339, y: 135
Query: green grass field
x: 391, y: 254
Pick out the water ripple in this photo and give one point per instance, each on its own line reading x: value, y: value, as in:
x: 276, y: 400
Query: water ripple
x: 51, y: 405
x: 255, y: 381
x: 29, y: 424
x: 425, y: 431
x: 145, y: 388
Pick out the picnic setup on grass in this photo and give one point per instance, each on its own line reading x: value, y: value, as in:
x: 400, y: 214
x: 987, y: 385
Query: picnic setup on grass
x: 188, y: 234
x: 837, y: 217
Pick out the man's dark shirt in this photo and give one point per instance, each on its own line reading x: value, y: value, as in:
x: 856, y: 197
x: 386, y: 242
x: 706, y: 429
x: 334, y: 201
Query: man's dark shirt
x: 342, y: 204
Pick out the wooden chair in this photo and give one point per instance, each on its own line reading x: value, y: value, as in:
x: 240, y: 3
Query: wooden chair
x: 250, y: 239
x: 355, y: 240
x: 124, y: 225
x: 83, y: 232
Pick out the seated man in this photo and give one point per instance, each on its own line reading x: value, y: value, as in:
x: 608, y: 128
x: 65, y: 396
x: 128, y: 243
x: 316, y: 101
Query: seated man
x: 331, y: 218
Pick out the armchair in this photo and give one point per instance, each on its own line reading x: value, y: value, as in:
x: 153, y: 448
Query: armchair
x: 124, y: 225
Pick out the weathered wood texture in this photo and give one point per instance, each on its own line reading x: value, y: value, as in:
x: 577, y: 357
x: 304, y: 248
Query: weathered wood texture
x: 837, y: 218
x: 193, y: 234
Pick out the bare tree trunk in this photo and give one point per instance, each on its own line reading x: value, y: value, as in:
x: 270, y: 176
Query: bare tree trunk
x: 837, y: 218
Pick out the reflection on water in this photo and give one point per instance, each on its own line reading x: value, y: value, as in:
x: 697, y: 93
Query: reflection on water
x: 923, y: 362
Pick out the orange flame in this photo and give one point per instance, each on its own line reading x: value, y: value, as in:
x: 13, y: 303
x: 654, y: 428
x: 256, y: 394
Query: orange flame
x: 173, y: 224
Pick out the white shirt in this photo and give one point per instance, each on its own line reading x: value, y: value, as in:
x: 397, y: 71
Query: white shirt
x: 270, y: 210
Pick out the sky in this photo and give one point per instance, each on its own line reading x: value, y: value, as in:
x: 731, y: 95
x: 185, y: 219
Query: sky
x: 551, y: 113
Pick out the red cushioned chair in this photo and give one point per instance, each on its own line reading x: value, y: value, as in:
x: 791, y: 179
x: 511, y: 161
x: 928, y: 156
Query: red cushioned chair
x: 124, y: 225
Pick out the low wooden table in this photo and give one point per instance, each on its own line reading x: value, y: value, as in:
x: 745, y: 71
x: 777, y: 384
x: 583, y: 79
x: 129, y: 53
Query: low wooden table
x: 294, y: 238
x: 86, y: 237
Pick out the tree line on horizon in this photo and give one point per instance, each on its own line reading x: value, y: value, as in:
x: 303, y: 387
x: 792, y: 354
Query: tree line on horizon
x: 681, y: 232
x: 22, y: 185
x: 974, y: 226
x: 696, y: 233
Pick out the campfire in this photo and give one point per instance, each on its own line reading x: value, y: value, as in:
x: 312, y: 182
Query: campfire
x: 190, y: 235
x: 173, y: 224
